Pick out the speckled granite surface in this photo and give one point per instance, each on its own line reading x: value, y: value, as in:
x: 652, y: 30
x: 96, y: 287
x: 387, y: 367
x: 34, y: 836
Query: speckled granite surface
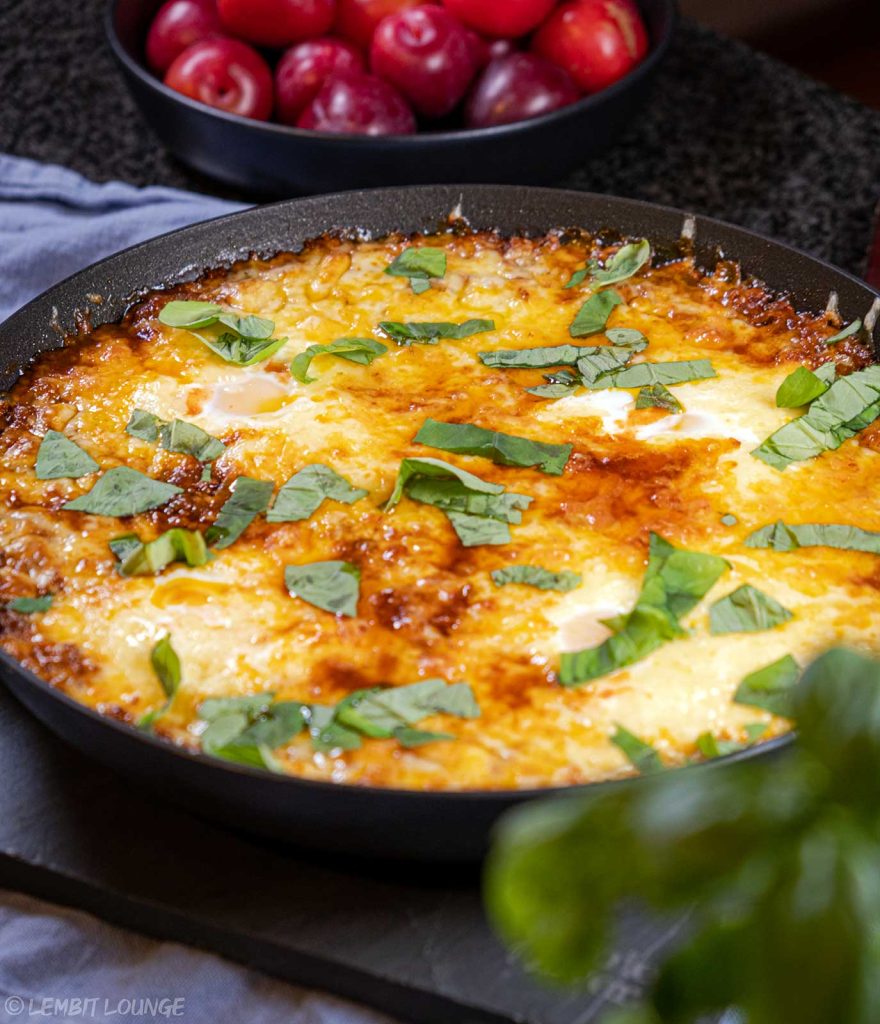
x: 729, y: 133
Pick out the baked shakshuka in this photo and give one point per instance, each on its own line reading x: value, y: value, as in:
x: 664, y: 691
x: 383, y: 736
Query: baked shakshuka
x: 450, y: 511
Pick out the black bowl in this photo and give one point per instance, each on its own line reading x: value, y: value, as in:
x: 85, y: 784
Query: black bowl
x: 272, y: 159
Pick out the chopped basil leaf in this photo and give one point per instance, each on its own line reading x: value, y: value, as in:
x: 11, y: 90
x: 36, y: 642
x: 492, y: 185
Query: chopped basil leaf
x: 628, y: 260
x: 640, y: 755
x: 559, y: 385
x: 175, y: 436
x: 535, y: 358
x: 380, y: 712
x: 189, y: 315
x: 675, y: 581
x: 479, y: 511
x: 710, y: 746
x: 505, y: 449
x: 780, y: 536
x: 658, y: 396
x: 419, y: 265
x: 800, y: 387
x: 597, y: 365
x: 578, y: 277
x: 746, y: 610
x: 175, y: 545
x: 593, y: 314
x: 29, y: 605
x: 428, y: 332
x: 123, y: 492
x: 327, y: 734
x: 535, y: 576
x: 847, y: 332
x: 332, y: 586
x: 408, y: 737
x: 246, y: 730
x: 770, y: 687
x: 848, y: 406
x: 641, y: 375
x: 248, y: 339
x: 306, y: 490
x: 60, y: 457
x: 143, y: 425
x: 729, y: 520
x: 355, y: 350
x: 188, y: 439
x: 627, y: 337
x: 248, y: 499
x: 166, y: 665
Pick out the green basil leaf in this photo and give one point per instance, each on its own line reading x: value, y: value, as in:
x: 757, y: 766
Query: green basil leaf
x: 188, y: 439
x: 144, y: 425
x: 428, y: 332
x: 627, y: 337
x: 58, y: 457
x: 800, y: 387
x: 412, y: 469
x: 175, y: 545
x: 474, y: 531
x: 710, y: 746
x: 189, y: 315
x: 251, y: 706
x: 248, y: 499
x: 848, y: 406
x: 505, y: 449
x: 628, y: 260
x: 241, y: 351
x: 559, y: 385
x: 166, y: 665
x: 276, y: 726
x: 780, y: 536
x: 30, y: 605
x: 535, y: 358
x: 770, y: 687
x: 332, y: 586
x: 355, y: 350
x: 419, y: 265
x: 254, y: 328
x: 641, y: 375
x: 675, y: 581
x: 595, y: 368
x: 847, y: 332
x: 641, y: 755
x: 658, y: 396
x: 535, y: 576
x: 379, y: 712
x: 123, y: 492
x: 593, y: 314
x: 327, y: 734
x: 305, y: 491
x: 746, y: 610
x: 579, y: 276
x: 729, y: 520
x: 408, y: 737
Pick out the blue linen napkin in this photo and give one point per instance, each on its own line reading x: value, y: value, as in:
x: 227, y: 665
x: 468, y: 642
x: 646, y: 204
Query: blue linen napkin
x: 54, y: 222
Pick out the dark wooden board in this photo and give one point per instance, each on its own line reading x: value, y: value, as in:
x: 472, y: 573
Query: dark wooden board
x: 412, y: 941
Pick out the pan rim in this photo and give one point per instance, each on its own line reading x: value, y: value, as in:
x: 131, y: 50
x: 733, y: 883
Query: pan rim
x: 172, y: 750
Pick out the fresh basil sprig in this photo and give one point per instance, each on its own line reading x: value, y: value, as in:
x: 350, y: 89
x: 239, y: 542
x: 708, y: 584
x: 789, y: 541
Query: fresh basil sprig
x: 505, y: 449
x: 675, y: 581
x: 746, y: 610
x: 780, y: 536
x: 306, y: 490
x: 479, y: 511
x: 246, y: 340
x: 59, y: 457
x: 847, y: 407
x: 123, y: 492
x: 419, y: 265
x: 137, y: 558
x: 248, y: 499
x: 332, y: 586
x: 429, y: 332
x: 536, y: 576
x: 362, y: 351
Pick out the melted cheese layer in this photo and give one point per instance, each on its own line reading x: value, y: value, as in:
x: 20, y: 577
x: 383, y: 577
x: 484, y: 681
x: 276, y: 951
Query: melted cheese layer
x: 427, y: 606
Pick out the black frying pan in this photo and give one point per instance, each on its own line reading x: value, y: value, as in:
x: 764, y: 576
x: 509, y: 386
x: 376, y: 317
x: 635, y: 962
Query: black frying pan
x: 321, y: 815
